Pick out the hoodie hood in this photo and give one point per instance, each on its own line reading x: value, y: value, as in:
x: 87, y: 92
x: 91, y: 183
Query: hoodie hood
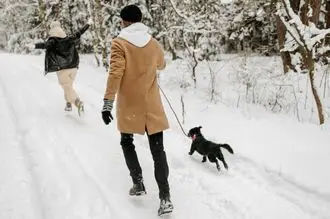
x: 56, y: 30
x: 137, y: 34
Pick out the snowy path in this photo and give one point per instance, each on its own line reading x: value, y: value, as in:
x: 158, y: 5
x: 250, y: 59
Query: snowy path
x: 60, y: 166
x: 18, y: 185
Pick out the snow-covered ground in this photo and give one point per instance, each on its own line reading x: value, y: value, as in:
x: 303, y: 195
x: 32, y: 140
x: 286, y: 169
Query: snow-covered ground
x: 59, y: 166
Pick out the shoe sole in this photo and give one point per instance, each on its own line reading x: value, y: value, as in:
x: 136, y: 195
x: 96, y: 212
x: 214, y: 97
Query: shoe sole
x: 138, y: 194
x: 165, y: 213
x: 68, y: 109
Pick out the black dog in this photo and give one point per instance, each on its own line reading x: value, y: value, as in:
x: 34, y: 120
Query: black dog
x: 207, y: 148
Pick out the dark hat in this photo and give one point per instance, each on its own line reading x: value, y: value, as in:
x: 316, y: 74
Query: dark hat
x: 131, y: 13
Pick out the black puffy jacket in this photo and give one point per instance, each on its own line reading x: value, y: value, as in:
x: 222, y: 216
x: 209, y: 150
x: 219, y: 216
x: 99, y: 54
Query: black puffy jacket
x: 61, y: 53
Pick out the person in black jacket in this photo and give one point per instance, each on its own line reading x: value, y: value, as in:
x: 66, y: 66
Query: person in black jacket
x: 62, y: 57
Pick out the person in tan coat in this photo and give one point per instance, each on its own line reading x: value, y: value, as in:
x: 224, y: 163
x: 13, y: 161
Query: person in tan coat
x: 132, y: 81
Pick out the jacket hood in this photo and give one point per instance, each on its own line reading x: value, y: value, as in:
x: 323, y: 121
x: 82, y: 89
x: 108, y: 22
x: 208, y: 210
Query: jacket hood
x: 137, y: 34
x: 56, y: 30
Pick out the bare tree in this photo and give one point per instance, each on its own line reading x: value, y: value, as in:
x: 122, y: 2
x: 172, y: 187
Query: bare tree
x: 285, y: 55
x: 100, y: 32
x: 281, y: 34
x: 183, y: 111
x: 327, y: 17
x: 42, y: 14
x: 307, y: 37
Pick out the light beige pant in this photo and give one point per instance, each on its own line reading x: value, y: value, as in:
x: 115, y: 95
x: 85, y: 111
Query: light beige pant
x: 66, y: 79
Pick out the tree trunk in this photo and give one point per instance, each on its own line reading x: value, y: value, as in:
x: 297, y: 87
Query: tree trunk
x: 194, y: 69
x: 195, y: 43
x: 316, y: 6
x: 42, y: 15
x: 304, y: 12
x: 90, y: 11
x: 171, y: 48
x: 57, y: 9
x: 311, y: 66
x: 71, y: 8
x: 100, y: 32
x: 183, y: 112
x: 328, y: 13
x: 281, y: 32
x: 327, y: 20
x: 295, y: 5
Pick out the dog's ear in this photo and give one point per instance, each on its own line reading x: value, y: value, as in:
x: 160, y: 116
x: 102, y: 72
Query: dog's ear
x: 199, y: 127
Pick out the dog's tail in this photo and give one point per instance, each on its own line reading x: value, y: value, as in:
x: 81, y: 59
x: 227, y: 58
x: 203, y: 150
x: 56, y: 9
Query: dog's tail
x: 227, y: 146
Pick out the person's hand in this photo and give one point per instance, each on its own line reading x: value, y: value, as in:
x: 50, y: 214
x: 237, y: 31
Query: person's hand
x: 30, y: 46
x: 90, y: 21
x: 107, y: 117
x: 106, y: 111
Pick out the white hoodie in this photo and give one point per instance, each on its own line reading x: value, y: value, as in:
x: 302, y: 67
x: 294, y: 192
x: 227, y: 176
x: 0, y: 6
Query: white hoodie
x: 137, y: 34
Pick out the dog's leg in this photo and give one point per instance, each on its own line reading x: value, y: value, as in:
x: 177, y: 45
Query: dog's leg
x: 218, y: 166
x: 204, y: 159
x: 213, y: 159
x: 225, y: 164
x: 220, y: 157
x: 192, y: 150
x: 223, y: 161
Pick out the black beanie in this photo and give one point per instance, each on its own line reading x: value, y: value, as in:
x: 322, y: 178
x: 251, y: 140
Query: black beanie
x: 131, y: 13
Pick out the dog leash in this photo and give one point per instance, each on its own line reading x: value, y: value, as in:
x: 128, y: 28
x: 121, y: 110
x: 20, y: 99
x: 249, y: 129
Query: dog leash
x: 176, y: 116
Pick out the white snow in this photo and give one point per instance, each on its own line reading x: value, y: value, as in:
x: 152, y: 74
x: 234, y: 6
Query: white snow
x: 59, y: 166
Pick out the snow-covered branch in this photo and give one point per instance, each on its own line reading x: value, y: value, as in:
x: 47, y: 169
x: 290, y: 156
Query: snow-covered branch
x: 181, y: 15
x: 189, y: 30
x: 306, y: 36
x: 317, y: 35
x: 292, y: 23
x: 324, y: 50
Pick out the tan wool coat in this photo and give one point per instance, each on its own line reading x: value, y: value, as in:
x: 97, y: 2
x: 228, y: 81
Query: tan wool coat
x: 133, y: 81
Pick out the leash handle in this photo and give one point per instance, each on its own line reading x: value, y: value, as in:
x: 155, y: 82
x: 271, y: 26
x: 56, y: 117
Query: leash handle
x: 176, y: 116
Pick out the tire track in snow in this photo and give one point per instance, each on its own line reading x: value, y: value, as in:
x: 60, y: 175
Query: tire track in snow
x: 215, y: 190
x: 308, y: 201
x: 220, y: 195
x: 239, y: 192
x: 49, y: 190
x: 25, y: 153
x: 232, y: 206
x: 98, y: 187
x: 102, y: 189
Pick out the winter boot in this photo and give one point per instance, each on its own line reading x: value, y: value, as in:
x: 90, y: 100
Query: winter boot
x: 68, y: 107
x: 138, y: 189
x: 166, y: 206
x: 80, y: 106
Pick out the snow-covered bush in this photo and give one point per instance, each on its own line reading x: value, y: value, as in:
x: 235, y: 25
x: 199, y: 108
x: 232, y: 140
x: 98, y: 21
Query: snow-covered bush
x: 268, y: 86
x: 253, y: 27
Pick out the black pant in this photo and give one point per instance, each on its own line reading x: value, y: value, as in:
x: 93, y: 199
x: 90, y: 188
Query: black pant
x: 158, y: 155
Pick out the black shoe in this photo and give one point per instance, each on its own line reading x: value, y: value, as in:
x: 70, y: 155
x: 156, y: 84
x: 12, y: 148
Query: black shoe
x: 68, y: 107
x: 166, y: 206
x: 138, y: 189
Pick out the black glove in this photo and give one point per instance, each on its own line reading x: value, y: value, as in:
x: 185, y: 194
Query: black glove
x: 106, y: 111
